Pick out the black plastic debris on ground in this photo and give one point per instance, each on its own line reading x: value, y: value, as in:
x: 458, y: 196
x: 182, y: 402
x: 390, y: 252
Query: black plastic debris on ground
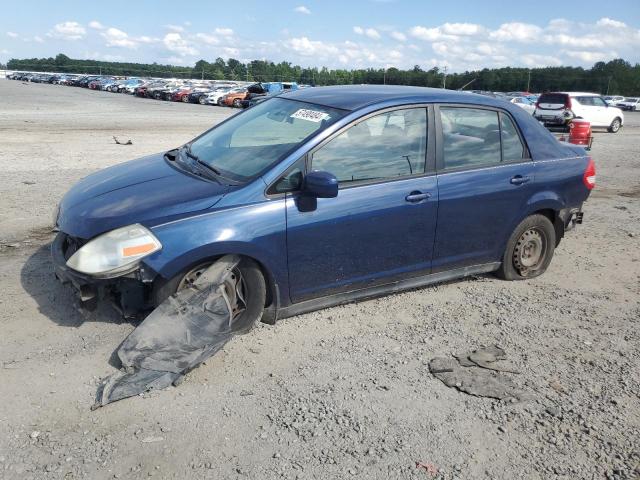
x: 177, y: 336
x: 477, y: 373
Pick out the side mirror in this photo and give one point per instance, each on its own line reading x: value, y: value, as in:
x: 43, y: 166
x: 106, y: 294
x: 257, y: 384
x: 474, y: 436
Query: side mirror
x: 320, y: 185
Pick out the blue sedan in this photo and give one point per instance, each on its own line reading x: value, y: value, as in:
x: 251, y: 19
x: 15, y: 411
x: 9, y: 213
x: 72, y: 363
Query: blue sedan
x: 329, y: 195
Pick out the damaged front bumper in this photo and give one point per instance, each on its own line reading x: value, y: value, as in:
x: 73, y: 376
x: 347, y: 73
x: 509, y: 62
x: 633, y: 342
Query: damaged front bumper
x: 129, y: 293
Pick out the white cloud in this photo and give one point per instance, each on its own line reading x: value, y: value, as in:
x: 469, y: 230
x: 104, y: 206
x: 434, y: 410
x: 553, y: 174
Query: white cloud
x: 208, y: 38
x: 368, y: 32
x: 230, y: 52
x: 560, y: 25
x: 67, y: 31
x: 426, y: 34
x: 589, y: 56
x: 372, y: 33
x: 96, y: 24
x: 145, y: 39
x: 307, y: 48
x: 516, y: 31
x: 225, y: 32
x: 399, y: 36
x: 608, y: 22
x: 174, y: 42
x: 118, y: 38
x: 535, y: 60
x: 38, y: 39
x: 12, y: 35
x: 575, y: 41
x: 302, y: 9
x: 465, y: 29
x: 175, y: 28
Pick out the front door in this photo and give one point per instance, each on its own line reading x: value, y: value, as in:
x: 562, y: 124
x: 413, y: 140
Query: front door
x: 381, y: 226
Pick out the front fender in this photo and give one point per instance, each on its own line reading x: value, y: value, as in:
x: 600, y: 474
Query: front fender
x: 257, y: 231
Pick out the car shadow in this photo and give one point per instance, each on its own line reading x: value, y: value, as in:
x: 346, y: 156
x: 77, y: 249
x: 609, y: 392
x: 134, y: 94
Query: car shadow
x: 57, y: 301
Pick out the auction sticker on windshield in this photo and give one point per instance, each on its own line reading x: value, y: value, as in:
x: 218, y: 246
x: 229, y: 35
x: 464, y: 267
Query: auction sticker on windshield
x: 310, y: 115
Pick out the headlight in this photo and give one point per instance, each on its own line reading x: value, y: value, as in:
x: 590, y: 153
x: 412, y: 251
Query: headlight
x: 115, y: 252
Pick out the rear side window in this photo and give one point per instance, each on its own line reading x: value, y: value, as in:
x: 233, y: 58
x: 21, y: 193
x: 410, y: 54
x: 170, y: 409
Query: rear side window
x: 586, y: 101
x: 470, y: 137
x: 512, y: 148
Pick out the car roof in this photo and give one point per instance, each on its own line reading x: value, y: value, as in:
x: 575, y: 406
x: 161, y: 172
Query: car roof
x: 579, y: 94
x: 355, y: 97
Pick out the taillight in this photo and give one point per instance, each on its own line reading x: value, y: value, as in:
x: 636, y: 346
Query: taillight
x: 589, y: 176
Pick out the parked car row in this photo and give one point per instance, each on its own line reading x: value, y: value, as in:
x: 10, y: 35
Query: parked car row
x: 204, y: 92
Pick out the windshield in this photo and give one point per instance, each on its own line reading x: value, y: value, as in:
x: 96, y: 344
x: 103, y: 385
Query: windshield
x: 250, y: 142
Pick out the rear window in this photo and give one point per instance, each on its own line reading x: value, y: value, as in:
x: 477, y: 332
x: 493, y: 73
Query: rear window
x: 552, y: 98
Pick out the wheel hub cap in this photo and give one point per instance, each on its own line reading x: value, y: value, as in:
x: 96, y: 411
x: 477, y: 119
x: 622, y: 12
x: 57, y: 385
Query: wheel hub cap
x: 529, y: 251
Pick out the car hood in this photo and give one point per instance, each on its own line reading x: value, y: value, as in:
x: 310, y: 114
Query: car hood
x: 148, y: 191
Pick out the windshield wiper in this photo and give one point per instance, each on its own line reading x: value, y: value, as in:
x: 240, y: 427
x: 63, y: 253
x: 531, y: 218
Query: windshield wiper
x: 193, y: 156
x: 200, y: 163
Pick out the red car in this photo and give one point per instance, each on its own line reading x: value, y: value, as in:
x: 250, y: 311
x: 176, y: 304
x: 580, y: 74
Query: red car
x: 181, y: 96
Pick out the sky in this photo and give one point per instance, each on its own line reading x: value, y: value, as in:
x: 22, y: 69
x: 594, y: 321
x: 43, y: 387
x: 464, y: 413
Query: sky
x: 459, y: 35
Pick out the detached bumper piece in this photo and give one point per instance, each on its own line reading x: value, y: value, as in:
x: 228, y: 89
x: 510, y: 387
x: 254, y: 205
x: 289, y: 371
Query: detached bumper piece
x: 176, y: 337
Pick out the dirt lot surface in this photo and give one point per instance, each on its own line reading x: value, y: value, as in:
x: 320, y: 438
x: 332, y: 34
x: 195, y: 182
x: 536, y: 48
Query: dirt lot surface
x: 340, y: 393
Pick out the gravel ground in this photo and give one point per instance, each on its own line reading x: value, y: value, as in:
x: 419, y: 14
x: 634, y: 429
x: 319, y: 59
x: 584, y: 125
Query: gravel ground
x: 341, y: 393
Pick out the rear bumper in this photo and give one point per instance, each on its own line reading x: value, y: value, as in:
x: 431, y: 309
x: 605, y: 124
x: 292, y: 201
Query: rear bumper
x: 571, y: 217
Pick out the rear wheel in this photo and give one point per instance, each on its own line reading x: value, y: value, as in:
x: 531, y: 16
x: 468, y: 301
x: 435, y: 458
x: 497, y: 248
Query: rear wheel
x: 529, y: 249
x: 237, y: 103
x: 202, y: 100
x: 245, y: 288
x: 615, y: 125
x: 185, y: 98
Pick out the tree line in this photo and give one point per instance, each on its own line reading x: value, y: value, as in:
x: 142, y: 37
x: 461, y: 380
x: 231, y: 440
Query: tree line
x: 614, y: 77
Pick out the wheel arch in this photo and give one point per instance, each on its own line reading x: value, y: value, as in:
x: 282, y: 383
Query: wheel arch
x: 191, y: 259
x: 550, y: 205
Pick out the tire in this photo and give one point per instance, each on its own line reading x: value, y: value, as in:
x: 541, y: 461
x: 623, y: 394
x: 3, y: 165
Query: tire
x: 185, y: 99
x: 237, y: 103
x: 254, y: 286
x: 529, y: 249
x: 202, y: 100
x: 219, y: 102
x: 615, y: 125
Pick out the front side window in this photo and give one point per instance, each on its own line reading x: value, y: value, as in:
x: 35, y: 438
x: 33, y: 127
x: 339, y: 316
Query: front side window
x: 250, y: 142
x: 470, y: 137
x: 385, y: 146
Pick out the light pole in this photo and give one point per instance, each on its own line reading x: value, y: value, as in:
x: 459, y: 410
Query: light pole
x: 444, y: 79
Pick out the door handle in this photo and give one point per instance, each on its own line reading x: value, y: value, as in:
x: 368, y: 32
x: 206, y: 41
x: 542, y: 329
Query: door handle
x: 416, y: 196
x: 519, y: 180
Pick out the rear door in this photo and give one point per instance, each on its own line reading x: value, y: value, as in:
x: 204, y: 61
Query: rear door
x: 485, y: 177
x: 586, y: 108
x: 381, y: 226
